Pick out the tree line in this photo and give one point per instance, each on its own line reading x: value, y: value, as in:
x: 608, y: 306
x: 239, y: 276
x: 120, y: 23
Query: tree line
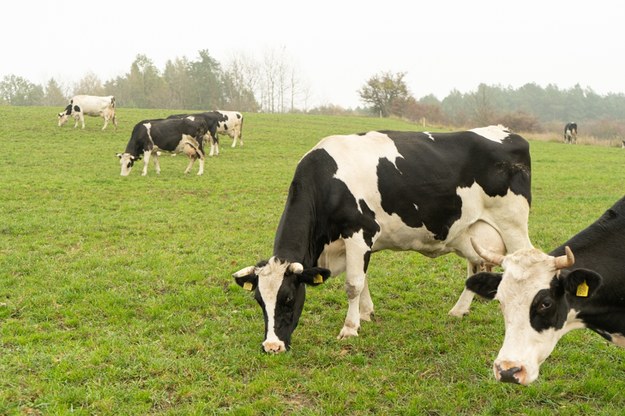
x: 529, y: 108
x: 273, y: 84
x: 244, y: 84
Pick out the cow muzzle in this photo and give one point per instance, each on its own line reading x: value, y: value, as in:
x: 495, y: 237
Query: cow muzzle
x: 274, y: 347
x: 511, y: 372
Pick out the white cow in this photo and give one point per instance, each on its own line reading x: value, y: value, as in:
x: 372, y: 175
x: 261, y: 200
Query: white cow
x: 90, y: 105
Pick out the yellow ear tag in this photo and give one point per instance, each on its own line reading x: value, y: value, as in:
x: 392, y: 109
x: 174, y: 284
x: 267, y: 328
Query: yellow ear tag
x: 582, y: 290
x: 248, y: 286
x: 318, y: 279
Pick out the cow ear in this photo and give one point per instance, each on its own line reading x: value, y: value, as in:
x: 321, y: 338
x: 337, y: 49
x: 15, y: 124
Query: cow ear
x: 246, y: 278
x: 314, y: 276
x: 119, y: 155
x: 484, y: 284
x: 581, y: 283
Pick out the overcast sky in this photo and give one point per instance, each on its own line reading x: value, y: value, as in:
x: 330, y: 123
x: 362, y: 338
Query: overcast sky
x: 336, y: 46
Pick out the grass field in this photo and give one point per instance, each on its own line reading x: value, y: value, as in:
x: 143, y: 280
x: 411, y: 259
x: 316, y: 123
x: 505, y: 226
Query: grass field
x: 116, y: 296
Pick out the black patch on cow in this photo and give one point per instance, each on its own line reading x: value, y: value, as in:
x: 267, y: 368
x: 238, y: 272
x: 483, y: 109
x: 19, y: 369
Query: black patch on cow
x: 68, y: 110
x: 76, y: 109
x: 484, y: 284
x: 549, y: 307
x: 421, y: 186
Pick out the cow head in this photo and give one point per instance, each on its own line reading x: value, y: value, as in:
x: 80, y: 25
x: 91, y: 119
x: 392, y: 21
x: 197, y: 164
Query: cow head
x: 64, y: 115
x: 126, y: 160
x: 280, y: 289
x: 538, y: 294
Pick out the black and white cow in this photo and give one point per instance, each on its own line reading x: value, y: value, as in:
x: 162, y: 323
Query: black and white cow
x: 231, y: 123
x: 212, y: 120
x: 358, y: 194
x: 149, y: 137
x: 580, y: 284
x: 570, y: 133
x: 90, y: 105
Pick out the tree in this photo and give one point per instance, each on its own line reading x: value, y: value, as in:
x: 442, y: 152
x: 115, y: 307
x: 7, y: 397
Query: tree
x: 16, y: 90
x: 54, y: 94
x: 382, y: 89
x: 90, y: 84
x: 207, y: 80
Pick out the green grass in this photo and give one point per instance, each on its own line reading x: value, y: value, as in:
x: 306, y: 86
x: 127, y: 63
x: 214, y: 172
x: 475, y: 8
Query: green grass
x: 116, y: 296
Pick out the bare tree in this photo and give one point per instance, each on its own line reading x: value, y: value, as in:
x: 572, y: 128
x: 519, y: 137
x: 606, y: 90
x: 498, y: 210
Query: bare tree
x: 90, y: 84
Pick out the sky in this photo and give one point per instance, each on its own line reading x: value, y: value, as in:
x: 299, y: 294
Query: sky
x: 335, y: 46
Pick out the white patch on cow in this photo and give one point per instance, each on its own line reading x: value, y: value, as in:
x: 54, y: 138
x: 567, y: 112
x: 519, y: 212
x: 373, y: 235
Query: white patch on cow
x: 124, y: 161
x: 358, y: 169
x: 618, y: 339
x: 427, y: 133
x: 270, y: 279
x: 494, y: 133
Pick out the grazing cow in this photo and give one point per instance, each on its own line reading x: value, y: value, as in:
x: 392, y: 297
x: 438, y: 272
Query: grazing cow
x: 149, y: 137
x: 90, y: 105
x: 358, y: 194
x: 543, y: 296
x: 570, y: 133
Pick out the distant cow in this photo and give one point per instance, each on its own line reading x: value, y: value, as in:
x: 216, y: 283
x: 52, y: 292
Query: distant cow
x: 90, y: 105
x: 580, y: 284
x: 354, y: 195
x: 622, y: 144
x: 570, y: 133
x: 212, y: 120
x: 149, y: 137
x: 231, y: 123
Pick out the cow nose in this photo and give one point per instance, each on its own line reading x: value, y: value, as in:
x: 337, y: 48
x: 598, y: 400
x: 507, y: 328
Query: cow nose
x: 510, y: 373
x: 274, y: 347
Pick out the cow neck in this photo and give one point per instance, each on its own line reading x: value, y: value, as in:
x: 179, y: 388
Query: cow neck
x: 297, y: 239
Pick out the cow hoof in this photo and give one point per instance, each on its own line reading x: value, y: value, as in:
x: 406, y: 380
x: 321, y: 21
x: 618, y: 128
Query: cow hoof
x: 457, y: 314
x: 347, y: 332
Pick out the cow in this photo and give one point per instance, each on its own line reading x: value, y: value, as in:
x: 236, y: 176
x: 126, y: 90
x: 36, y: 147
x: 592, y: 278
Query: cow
x: 357, y: 194
x: 570, y: 133
x: 212, y: 121
x: 90, y: 105
x: 580, y: 284
x: 622, y: 144
x: 231, y: 123
x: 149, y: 137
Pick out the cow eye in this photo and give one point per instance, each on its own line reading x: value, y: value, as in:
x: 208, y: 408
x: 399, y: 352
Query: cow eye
x: 545, y: 305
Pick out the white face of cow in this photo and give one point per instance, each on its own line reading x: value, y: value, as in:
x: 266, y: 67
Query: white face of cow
x: 535, y: 301
x: 126, y: 160
x: 63, y: 117
x: 280, y: 290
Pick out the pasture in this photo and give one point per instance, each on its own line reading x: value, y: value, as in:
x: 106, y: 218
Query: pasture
x: 116, y: 294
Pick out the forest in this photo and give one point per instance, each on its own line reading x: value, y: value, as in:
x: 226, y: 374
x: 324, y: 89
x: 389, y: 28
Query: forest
x: 274, y: 85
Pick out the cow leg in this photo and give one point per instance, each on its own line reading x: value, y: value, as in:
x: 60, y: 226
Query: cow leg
x: 157, y: 164
x: 366, y: 304
x: 76, y: 117
x: 146, y: 160
x: 106, y: 121
x: 356, y: 251
x: 82, y: 120
x: 463, y: 303
x: 214, y: 146
x: 190, y: 165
